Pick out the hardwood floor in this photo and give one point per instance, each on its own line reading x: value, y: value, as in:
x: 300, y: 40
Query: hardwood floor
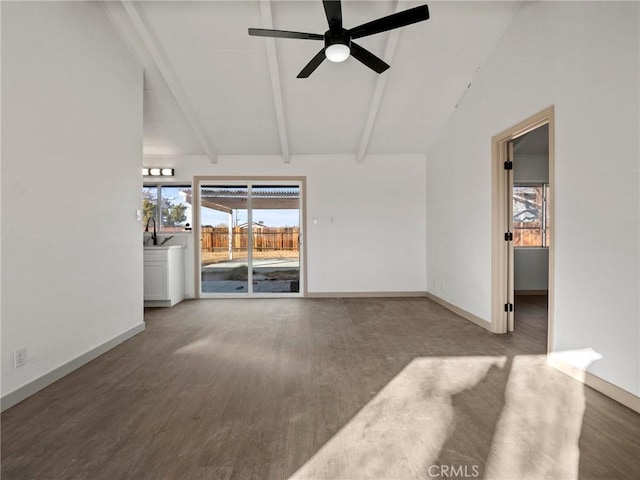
x: 530, y: 319
x: 320, y: 388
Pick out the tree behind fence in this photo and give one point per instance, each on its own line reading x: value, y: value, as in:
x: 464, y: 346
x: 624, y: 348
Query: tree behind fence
x: 216, y: 239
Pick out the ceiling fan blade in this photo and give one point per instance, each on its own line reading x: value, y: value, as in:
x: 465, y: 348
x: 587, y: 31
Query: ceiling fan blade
x: 400, y: 19
x: 333, y: 10
x: 312, y: 65
x: 369, y: 59
x: 262, y: 32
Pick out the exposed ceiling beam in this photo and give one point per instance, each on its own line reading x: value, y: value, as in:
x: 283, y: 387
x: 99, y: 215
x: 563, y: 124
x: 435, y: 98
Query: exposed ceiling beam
x: 156, y: 52
x: 390, y: 51
x: 276, y: 89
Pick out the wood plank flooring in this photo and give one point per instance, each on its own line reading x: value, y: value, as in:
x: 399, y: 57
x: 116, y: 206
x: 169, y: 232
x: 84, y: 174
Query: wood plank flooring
x: 320, y: 388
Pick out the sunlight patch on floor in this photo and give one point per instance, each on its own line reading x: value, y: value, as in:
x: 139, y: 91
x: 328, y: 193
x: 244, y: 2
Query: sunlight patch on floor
x: 418, y: 424
x: 401, y: 431
x: 238, y: 352
x: 197, y: 346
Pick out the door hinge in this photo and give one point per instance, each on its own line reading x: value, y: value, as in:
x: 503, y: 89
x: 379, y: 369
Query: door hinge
x: 508, y: 165
x: 508, y: 236
x: 508, y: 307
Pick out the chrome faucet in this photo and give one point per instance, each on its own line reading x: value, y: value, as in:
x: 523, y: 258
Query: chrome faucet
x: 154, y: 237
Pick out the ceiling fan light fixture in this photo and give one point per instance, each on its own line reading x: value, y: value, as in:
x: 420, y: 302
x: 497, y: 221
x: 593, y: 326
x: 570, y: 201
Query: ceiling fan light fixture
x: 337, y: 45
x: 338, y: 52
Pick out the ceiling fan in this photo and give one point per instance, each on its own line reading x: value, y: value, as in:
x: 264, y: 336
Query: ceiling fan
x: 338, y: 41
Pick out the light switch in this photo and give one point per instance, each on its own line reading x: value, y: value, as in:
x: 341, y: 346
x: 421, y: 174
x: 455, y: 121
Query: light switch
x: 138, y: 214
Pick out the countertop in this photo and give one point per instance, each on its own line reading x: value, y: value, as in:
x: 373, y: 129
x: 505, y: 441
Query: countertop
x: 162, y: 247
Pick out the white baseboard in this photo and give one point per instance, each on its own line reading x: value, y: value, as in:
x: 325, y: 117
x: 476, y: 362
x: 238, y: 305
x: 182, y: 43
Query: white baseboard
x: 618, y: 394
x: 364, y: 294
x: 459, y: 311
x: 28, y: 389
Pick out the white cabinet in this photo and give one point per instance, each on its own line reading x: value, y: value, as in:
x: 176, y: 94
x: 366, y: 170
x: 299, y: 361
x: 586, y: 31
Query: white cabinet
x: 163, y: 275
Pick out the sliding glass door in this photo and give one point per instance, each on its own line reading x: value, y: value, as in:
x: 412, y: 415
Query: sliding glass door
x: 250, y: 238
x: 224, y: 257
x: 275, y: 238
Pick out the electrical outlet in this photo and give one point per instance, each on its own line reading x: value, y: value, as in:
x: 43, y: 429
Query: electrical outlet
x: 19, y: 357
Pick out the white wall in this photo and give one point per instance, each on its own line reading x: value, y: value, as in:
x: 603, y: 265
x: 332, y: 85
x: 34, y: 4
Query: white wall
x: 583, y: 58
x: 376, y: 241
x: 71, y: 159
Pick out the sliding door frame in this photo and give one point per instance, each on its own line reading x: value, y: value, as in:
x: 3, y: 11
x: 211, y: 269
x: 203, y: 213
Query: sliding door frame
x: 198, y: 181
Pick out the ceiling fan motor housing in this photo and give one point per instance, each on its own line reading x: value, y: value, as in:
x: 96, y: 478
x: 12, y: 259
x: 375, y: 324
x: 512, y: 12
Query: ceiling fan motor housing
x: 332, y: 37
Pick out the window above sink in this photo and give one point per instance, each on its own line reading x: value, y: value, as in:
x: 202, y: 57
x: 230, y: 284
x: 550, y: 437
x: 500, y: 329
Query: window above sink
x: 169, y: 205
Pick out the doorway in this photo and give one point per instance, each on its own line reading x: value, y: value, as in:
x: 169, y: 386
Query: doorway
x: 249, y: 233
x: 522, y: 230
x: 531, y: 232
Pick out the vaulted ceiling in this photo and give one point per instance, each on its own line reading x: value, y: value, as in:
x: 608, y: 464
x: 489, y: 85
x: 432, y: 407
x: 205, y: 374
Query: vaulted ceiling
x: 212, y: 89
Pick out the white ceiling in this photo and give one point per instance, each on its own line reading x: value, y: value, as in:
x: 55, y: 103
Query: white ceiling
x: 212, y: 89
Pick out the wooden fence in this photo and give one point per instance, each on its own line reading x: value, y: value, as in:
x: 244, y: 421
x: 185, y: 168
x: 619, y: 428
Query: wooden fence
x: 528, y: 234
x: 216, y: 239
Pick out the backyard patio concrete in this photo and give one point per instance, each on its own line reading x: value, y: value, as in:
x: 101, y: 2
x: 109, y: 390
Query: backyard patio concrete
x: 261, y: 284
